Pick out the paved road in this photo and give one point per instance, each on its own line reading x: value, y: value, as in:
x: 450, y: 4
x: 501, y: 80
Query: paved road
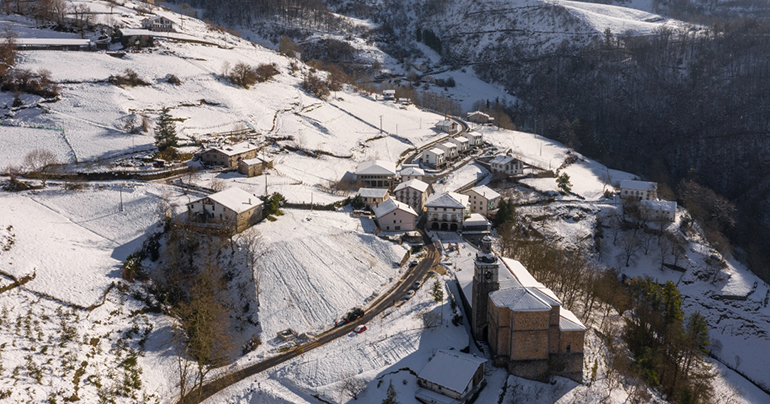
x: 388, y: 299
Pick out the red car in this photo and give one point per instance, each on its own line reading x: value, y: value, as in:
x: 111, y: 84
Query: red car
x: 359, y: 329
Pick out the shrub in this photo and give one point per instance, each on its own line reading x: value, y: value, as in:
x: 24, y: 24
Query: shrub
x: 242, y: 75
x: 172, y: 79
x: 316, y: 86
x: 129, y: 78
x: 265, y: 72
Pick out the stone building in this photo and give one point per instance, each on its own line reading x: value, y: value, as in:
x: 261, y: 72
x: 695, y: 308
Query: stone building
x: 231, y: 207
x: 447, y: 211
x: 413, y: 193
x: 229, y: 156
x: 527, y: 329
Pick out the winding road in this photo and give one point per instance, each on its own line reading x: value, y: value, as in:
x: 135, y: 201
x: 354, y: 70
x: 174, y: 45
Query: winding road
x: 386, y: 300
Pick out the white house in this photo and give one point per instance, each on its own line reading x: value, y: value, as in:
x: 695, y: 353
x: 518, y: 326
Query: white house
x: 450, y: 377
x: 231, y: 207
x: 474, y: 138
x: 373, y: 196
x: 462, y: 143
x: 413, y: 193
x: 506, y: 165
x: 448, y: 126
x: 483, y: 199
x: 161, y: 24
x: 393, y: 215
x: 434, y: 157
x: 638, y: 190
x: 376, y: 173
x: 411, y: 172
x: 479, y: 117
x: 446, y: 211
x: 388, y: 95
x: 450, y: 150
x: 658, y: 211
x: 229, y: 156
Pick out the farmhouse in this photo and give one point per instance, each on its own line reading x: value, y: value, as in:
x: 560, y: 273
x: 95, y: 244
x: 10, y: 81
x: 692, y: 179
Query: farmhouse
x: 413, y: 193
x: 524, y: 323
x: 447, y: 126
x: 439, y: 385
x: 373, y: 196
x: 658, y: 211
x: 479, y: 117
x: 229, y: 156
x: 506, y: 165
x: 411, y: 172
x: 159, y: 24
x: 232, y: 207
x: 446, y: 211
x: 376, y: 173
x: 388, y: 95
x: 434, y: 157
x: 255, y: 166
x: 483, y: 199
x: 395, y: 216
x: 638, y: 190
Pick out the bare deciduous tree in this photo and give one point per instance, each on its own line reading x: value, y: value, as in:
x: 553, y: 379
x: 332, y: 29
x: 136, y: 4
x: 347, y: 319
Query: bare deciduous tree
x: 255, y: 250
x: 39, y: 160
x: 352, y: 387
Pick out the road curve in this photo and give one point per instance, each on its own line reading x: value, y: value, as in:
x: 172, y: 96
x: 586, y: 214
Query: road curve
x: 388, y: 299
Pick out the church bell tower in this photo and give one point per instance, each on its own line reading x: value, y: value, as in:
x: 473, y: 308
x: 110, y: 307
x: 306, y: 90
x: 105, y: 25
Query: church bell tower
x: 485, y: 281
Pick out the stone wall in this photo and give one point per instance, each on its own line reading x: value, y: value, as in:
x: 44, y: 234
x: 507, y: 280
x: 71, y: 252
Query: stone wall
x: 527, y: 345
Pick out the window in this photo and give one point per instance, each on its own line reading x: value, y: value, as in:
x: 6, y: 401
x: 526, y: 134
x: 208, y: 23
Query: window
x: 569, y: 347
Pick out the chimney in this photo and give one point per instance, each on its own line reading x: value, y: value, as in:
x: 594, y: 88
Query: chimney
x: 249, y: 201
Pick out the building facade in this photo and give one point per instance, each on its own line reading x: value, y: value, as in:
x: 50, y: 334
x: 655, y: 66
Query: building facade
x: 253, y: 167
x: 372, y: 197
x: 638, y: 190
x: 447, y: 211
x: 229, y: 156
x: 434, y: 157
x: 232, y: 207
x: 395, y: 216
x: 482, y: 199
x: 413, y: 193
x: 506, y: 165
x: 376, y: 174
x: 658, y: 211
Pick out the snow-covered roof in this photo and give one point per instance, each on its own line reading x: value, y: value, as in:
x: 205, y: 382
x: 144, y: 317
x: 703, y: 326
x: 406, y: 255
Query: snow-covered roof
x: 471, y: 135
x: 414, y: 184
x: 520, y: 299
x: 460, y: 139
x: 373, y: 192
x: 376, y: 167
x: 235, y: 149
x: 389, y: 206
x: 444, y: 123
x: 448, y: 200
x: 476, y: 219
x: 389, y: 92
x: 436, y: 151
x: 451, y: 370
x: 501, y: 160
x: 236, y: 199
x: 521, y: 274
x: 485, y: 191
x: 448, y: 145
x: 568, y: 321
x: 52, y: 41
x: 430, y: 396
x: 665, y: 206
x: 412, y: 171
x: 638, y: 185
x: 474, y: 113
x: 256, y: 160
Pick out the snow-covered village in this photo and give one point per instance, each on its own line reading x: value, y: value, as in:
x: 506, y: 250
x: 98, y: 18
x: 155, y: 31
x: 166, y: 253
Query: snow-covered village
x: 211, y: 204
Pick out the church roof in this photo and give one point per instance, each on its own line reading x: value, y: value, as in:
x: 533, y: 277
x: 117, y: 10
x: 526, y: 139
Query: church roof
x: 520, y: 299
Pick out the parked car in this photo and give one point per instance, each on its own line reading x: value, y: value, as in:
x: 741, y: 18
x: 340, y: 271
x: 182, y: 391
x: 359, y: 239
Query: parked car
x: 361, y: 328
x: 416, y: 285
x: 340, y: 322
x: 408, y: 295
x: 413, y: 263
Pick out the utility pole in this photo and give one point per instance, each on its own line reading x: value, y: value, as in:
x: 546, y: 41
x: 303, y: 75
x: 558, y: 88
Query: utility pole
x: 380, y: 123
x: 121, y: 198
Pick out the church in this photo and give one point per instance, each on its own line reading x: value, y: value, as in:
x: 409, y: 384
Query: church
x: 523, y: 322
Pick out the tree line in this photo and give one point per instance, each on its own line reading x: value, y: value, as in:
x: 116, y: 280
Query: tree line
x: 685, y: 105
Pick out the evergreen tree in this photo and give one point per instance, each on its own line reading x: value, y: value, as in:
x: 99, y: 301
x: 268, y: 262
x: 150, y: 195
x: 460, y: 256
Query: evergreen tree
x: 438, y: 292
x: 563, y: 183
x: 165, y: 131
x: 506, y: 214
x: 391, y: 398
